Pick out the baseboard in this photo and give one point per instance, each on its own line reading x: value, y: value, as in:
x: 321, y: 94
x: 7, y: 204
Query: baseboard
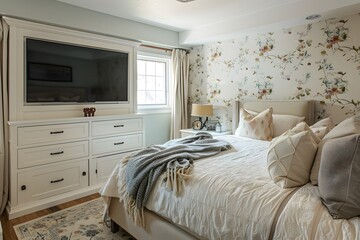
x: 18, y: 211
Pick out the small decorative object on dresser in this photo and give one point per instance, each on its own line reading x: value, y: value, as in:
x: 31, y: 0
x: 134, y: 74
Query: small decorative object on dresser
x: 89, y: 112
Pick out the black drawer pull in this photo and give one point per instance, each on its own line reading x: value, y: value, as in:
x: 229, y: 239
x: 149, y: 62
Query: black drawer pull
x: 119, y: 143
x: 23, y: 187
x: 84, y: 173
x: 57, y: 153
x: 56, y: 132
x: 59, y: 180
x: 121, y: 125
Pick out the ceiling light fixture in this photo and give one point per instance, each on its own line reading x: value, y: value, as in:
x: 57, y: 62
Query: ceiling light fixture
x: 313, y: 17
x: 184, y: 1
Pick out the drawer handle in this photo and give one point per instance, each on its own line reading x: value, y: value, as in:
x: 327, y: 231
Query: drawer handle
x: 84, y: 173
x: 59, y: 180
x: 119, y: 143
x: 23, y: 187
x: 121, y: 125
x: 57, y: 153
x: 56, y: 132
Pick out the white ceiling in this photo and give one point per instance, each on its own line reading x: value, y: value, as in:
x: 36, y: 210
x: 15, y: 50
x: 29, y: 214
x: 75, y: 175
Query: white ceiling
x: 202, y: 21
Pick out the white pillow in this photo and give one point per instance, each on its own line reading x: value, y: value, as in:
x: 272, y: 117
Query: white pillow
x: 322, y: 127
x: 326, y: 122
x: 302, y: 126
x: 283, y: 123
x: 255, y: 126
x: 347, y: 127
x: 290, y: 158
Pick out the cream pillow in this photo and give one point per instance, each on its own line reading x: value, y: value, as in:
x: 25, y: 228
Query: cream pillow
x: 255, y: 126
x: 283, y: 123
x: 326, y: 122
x: 322, y: 127
x: 302, y: 126
x: 347, y: 127
x: 290, y: 158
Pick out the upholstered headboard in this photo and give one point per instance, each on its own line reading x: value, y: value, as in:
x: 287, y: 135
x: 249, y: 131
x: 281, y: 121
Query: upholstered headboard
x: 297, y: 108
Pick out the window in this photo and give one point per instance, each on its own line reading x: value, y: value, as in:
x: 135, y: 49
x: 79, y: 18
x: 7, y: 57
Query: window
x: 152, y: 81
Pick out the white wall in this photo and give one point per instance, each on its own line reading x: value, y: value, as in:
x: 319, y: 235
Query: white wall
x: 53, y: 12
x: 157, y: 128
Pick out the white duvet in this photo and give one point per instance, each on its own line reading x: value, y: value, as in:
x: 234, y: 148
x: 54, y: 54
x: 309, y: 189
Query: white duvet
x: 231, y: 196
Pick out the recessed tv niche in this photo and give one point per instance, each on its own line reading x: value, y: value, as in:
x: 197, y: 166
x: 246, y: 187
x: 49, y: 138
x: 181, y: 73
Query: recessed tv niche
x: 64, y: 73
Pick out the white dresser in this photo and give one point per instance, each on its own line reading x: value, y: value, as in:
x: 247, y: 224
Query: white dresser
x: 54, y: 161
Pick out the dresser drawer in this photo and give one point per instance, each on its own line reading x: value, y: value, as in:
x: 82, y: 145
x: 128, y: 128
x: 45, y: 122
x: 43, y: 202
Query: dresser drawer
x: 42, y: 182
x: 116, y: 144
x: 102, y: 128
x: 52, y: 133
x: 52, y: 153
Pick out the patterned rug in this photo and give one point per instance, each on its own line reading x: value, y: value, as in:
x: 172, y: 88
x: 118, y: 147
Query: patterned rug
x: 83, y: 221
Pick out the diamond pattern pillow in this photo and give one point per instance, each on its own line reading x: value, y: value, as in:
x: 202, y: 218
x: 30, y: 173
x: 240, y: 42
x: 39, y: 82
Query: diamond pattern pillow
x: 290, y: 158
x: 255, y: 126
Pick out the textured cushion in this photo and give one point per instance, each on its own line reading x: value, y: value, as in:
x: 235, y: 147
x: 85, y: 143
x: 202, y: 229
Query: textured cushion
x: 339, y: 176
x: 255, y: 126
x: 290, y: 158
x: 347, y: 127
x: 282, y: 123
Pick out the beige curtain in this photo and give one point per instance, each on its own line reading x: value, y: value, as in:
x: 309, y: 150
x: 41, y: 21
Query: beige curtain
x: 4, y: 163
x: 179, y: 114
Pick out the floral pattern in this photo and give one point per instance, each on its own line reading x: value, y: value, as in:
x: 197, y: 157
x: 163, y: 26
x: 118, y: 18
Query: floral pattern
x: 319, y: 61
x: 84, y: 221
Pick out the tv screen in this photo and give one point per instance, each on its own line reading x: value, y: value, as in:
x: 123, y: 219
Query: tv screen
x: 58, y: 72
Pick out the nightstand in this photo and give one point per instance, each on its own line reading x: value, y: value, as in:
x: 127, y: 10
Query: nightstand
x: 191, y: 132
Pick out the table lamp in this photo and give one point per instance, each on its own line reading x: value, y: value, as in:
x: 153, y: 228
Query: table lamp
x: 201, y: 110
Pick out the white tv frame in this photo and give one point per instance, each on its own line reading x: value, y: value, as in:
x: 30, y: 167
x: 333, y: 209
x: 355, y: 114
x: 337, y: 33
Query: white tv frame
x: 19, y: 110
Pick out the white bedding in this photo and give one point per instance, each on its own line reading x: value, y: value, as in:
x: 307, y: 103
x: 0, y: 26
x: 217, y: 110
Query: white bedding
x: 231, y: 196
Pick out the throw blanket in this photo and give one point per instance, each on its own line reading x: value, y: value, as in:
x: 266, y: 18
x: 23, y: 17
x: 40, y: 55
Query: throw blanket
x: 175, y: 158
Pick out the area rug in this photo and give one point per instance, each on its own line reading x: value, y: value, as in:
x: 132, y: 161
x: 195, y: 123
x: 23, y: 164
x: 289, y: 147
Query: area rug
x: 83, y: 221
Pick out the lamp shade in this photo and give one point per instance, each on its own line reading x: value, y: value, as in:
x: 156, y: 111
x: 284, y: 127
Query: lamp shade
x: 202, y: 110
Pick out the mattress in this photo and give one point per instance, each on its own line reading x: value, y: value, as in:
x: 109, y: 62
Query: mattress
x: 231, y: 196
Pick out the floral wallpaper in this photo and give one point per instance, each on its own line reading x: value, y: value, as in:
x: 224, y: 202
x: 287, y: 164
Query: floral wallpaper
x: 319, y: 61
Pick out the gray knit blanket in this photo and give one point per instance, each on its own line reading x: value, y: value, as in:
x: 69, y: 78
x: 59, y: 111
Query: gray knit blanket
x: 172, y: 161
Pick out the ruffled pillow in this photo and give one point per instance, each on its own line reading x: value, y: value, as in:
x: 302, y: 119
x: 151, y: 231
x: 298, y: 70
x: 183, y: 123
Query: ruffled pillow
x: 255, y: 126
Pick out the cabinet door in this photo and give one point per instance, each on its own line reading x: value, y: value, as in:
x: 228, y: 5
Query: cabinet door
x: 50, y: 180
x: 105, y: 166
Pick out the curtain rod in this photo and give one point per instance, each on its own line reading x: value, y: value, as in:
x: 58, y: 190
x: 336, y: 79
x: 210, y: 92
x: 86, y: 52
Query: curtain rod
x: 159, y: 48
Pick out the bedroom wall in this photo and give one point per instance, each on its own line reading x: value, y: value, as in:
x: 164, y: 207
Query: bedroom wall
x: 61, y: 14
x: 319, y: 61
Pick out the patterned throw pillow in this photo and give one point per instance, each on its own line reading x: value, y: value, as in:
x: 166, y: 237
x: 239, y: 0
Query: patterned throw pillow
x: 255, y: 126
x: 290, y: 158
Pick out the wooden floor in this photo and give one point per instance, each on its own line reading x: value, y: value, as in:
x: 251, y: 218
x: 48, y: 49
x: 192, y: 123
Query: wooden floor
x: 7, y: 225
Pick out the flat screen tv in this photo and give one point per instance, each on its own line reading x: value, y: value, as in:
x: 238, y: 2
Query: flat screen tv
x: 64, y: 73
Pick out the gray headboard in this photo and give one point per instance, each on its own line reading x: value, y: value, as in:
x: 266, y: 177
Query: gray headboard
x: 297, y: 108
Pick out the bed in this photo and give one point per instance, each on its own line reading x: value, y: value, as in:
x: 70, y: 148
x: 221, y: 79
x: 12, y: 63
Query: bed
x: 231, y: 196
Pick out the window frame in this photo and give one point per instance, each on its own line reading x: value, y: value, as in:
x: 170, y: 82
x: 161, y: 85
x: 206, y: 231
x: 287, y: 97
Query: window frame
x: 168, y: 82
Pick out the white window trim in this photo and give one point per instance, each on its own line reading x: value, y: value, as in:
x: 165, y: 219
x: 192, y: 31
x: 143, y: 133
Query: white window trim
x: 157, y: 108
